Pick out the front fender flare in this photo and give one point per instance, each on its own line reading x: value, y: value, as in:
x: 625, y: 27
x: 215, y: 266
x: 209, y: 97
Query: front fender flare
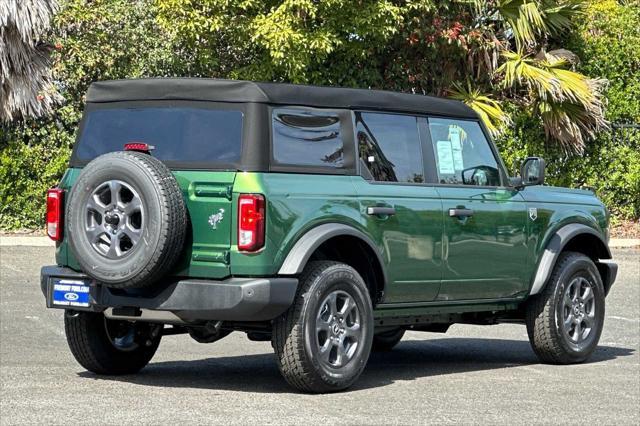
x: 553, y: 249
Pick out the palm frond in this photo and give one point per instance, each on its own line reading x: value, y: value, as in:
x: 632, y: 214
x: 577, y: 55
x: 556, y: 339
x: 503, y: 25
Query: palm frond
x: 570, y: 104
x: 570, y: 124
x: 559, y: 15
x: 573, y: 86
x: 25, y: 80
x: 529, y: 19
x: 489, y: 110
x: 519, y: 69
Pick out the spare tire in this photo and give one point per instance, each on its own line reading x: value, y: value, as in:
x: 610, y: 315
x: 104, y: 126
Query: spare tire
x: 126, y: 219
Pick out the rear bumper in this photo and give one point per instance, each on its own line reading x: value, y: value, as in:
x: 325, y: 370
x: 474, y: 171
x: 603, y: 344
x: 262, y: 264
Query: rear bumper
x: 233, y: 299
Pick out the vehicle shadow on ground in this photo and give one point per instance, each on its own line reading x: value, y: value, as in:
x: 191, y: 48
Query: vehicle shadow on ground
x: 409, y: 360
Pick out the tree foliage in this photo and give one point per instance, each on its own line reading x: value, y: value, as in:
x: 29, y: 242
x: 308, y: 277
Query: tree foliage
x: 98, y: 40
x: 430, y: 47
x: 519, y: 63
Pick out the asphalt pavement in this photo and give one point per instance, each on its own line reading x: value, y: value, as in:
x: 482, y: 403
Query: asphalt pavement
x: 471, y: 375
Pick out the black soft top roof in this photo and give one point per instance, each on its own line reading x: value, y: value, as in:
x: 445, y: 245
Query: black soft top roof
x: 218, y: 90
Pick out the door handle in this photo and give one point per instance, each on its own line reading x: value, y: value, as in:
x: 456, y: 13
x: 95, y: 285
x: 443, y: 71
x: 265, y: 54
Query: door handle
x: 388, y: 211
x: 460, y: 212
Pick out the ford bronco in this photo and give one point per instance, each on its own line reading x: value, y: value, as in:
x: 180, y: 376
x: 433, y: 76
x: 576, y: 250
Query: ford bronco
x: 325, y: 220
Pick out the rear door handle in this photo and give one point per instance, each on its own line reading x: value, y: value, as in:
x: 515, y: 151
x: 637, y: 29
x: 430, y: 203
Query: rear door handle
x: 460, y: 212
x: 388, y: 211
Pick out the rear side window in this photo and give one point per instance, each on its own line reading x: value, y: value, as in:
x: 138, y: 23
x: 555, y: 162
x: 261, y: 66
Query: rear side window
x: 389, y: 147
x: 463, y: 154
x: 307, y: 138
x: 181, y: 135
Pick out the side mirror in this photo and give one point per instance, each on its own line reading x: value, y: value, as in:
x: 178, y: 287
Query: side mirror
x: 532, y: 171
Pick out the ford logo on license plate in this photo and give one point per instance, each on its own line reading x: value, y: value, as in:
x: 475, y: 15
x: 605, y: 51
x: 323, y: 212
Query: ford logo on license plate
x: 72, y: 297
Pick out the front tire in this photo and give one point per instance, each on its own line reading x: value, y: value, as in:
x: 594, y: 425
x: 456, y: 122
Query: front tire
x: 565, y: 321
x: 110, y: 347
x: 322, y: 343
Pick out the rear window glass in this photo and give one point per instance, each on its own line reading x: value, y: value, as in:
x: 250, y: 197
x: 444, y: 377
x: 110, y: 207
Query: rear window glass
x: 307, y: 138
x: 180, y: 135
x: 389, y: 146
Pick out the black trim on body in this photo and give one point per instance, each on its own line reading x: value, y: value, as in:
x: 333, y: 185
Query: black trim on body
x: 298, y: 256
x: 233, y: 299
x: 554, y: 248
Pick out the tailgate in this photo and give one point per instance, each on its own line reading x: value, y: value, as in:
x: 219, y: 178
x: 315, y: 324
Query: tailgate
x: 208, y: 196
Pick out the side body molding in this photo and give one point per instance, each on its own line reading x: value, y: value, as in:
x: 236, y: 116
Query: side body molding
x: 554, y: 248
x: 303, y: 249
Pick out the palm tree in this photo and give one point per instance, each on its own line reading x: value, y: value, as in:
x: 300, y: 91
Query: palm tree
x: 26, y: 88
x: 568, y: 103
x: 488, y: 109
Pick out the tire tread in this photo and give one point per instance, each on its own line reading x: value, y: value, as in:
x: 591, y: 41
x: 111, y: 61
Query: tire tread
x: 288, y: 336
x: 86, y: 338
x: 540, y: 316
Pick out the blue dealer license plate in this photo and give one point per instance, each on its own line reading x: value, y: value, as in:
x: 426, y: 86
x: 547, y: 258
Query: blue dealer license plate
x: 70, y: 293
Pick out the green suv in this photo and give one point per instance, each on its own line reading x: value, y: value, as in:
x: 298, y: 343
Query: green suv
x: 325, y: 220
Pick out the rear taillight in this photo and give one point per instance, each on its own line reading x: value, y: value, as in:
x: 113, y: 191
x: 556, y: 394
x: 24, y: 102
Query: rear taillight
x: 55, y: 204
x: 251, y: 218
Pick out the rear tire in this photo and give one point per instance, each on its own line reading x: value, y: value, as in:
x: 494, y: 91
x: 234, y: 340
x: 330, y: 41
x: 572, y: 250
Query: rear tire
x: 565, y: 321
x: 322, y: 343
x: 387, y: 340
x: 110, y: 347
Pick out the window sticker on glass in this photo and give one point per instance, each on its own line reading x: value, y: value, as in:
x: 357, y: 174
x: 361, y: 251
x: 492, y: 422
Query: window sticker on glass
x: 456, y: 147
x: 445, y: 157
x: 458, y: 162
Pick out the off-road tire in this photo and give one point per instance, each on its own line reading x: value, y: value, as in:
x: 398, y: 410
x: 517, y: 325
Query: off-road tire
x: 387, y: 340
x: 543, y: 319
x: 294, y: 341
x: 92, y: 348
x: 165, y: 227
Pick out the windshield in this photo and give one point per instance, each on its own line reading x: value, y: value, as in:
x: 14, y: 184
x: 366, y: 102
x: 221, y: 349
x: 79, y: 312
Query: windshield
x: 180, y: 135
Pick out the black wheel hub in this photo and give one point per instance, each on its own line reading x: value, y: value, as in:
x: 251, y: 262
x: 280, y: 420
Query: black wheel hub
x: 112, y: 218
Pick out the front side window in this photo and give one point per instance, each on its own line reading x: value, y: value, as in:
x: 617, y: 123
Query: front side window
x: 463, y: 155
x: 307, y: 138
x: 389, y: 147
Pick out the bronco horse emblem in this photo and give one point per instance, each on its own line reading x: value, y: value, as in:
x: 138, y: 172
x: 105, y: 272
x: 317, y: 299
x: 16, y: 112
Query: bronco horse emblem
x: 216, y: 218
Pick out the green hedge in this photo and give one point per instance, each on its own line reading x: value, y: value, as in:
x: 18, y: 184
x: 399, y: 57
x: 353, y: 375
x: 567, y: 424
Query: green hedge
x: 610, y: 164
x: 29, y: 165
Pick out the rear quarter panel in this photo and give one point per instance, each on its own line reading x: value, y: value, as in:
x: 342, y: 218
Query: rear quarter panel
x: 296, y: 203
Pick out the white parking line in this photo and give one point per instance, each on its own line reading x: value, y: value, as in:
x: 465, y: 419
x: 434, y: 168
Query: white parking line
x: 624, y: 319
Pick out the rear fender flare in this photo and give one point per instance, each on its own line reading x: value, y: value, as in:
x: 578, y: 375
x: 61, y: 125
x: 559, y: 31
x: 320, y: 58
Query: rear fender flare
x: 302, y: 250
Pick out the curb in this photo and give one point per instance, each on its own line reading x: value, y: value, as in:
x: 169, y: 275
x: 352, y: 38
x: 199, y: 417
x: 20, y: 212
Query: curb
x: 21, y: 240
x: 624, y: 243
